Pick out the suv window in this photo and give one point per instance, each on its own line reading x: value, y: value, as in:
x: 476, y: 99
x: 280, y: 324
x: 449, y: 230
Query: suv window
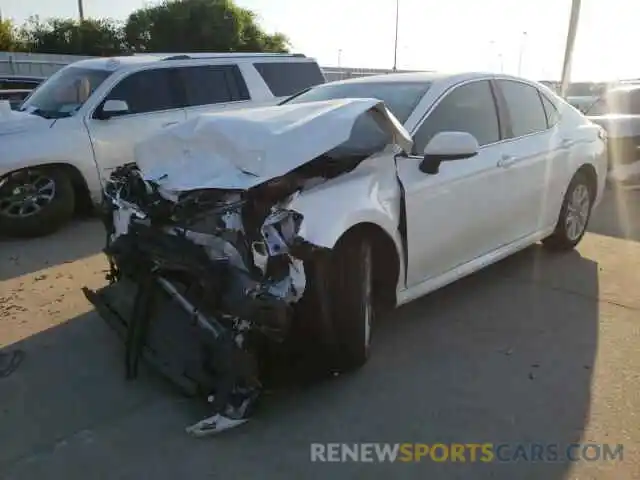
x: 147, y: 91
x: 11, y: 84
x: 469, y: 108
x: 287, y: 78
x: 210, y: 84
x: 550, y: 110
x: 524, y: 107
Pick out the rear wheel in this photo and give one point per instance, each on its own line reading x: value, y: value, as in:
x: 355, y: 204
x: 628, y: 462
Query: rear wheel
x: 574, y: 215
x: 352, y: 301
x: 35, y: 201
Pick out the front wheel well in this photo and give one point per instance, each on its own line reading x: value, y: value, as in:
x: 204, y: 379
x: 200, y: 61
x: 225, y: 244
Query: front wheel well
x: 80, y: 189
x: 386, y: 262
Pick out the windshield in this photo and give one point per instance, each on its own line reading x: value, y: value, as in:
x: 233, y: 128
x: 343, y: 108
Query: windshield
x: 64, y: 93
x: 621, y: 102
x: 367, y: 136
x: 399, y: 97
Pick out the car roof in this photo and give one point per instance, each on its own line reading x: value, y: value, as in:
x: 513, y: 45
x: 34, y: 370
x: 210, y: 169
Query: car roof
x: 432, y: 77
x: 121, y: 62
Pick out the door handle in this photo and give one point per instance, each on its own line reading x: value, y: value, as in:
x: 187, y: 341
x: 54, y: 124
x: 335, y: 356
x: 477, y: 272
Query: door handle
x: 565, y: 142
x: 168, y: 124
x: 506, y: 161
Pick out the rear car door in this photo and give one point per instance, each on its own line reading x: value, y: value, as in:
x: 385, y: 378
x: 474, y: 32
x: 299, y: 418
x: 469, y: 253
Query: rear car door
x: 456, y: 215
x: 533, y: 151
x: 211, y: 88
x: 154, y: 101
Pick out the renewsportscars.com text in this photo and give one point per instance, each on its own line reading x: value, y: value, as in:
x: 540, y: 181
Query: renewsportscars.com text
x: 465, y: 452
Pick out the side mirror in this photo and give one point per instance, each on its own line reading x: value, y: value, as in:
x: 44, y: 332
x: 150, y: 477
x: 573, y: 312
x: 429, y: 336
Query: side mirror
x: 113, y: 108
x: 446, y: 147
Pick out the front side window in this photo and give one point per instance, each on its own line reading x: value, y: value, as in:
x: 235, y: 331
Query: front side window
x: 469, y: 108
x: 400, y: 98
x: 524, y: 107
x: 63, y: 94
x: 147, y: 91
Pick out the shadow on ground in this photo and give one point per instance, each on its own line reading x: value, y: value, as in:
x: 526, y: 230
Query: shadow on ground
x: 80, y: 239
x: 505, y: 355
x: 618, y: 214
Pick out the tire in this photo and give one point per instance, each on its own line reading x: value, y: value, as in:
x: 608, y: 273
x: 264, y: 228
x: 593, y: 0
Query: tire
x: 574, y: 215
x: 45, y: 218
x: 352, y: 303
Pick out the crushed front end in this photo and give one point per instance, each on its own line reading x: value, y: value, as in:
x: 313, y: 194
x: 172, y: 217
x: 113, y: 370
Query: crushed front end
x: 201, y: 284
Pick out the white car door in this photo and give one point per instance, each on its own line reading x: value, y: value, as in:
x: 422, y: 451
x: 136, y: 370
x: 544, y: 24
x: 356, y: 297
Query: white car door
x: 532, y: 159
x: 153, y: 103
x: 456, y: 215
x: 213, y: 88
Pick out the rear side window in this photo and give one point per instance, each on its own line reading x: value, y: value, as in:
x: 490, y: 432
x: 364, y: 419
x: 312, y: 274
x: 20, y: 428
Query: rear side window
x: 147, y: 91
x: 211, y: 84
x: 287, y: 78
x: 524, y: 107
x: 550, y: 110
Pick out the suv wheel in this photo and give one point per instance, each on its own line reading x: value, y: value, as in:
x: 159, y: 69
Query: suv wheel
x: 35, y: 201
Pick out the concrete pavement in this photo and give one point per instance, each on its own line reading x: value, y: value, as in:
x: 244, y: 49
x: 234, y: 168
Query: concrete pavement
x: 539, y: 348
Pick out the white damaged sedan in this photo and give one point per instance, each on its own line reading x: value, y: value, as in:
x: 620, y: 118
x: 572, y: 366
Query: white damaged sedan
x: 238, y: 231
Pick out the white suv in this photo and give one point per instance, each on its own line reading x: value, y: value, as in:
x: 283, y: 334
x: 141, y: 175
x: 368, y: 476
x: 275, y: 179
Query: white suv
x: 84, y: 121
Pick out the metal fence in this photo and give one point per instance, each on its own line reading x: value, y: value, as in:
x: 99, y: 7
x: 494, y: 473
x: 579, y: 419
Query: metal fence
x: 34, y: 64
x: 44, y: 65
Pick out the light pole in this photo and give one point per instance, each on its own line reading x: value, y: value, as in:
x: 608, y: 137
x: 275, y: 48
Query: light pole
x: 524, y: 37
x: 571, y: 40
x: 81, y: 10
x: 395, y: 47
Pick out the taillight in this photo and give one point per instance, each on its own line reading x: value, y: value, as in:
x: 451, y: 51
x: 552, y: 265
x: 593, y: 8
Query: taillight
x: 602, y: 134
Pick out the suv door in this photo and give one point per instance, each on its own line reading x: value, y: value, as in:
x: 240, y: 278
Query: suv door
x: 210, y: 88
x: 532, y: 156
x: 458, y: 214
x: 153, y: 97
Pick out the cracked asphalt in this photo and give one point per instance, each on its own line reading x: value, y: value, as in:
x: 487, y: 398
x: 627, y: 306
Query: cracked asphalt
x: 540, y: 348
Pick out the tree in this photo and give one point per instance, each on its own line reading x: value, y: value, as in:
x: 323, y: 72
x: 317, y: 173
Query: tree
x: 199, y: 25
x: 103, y: 37
x: 8, y: 40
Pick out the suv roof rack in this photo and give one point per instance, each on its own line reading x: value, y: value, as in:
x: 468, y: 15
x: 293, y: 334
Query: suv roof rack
x: 205, y: 55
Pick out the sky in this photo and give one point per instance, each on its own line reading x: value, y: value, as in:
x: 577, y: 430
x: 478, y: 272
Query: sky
x: 514, y: 36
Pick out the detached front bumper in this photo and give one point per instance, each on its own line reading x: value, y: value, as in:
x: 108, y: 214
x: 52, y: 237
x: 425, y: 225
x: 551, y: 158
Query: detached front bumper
x: 170, y: 340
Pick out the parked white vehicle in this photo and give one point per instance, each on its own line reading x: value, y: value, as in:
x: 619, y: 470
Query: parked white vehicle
x: 238, y: 228
x: 618, y: 112
x: 85, y: 119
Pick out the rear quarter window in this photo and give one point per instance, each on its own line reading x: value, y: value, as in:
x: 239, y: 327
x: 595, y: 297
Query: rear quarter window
x: 287, y: 78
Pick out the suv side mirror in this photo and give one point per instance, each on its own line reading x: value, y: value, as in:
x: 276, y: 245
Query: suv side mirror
x: 113, y: 108
x: 446, y: 147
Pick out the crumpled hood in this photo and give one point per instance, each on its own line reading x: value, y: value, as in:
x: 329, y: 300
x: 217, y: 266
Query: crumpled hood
x: 18, y: 122
x: 243, y: 148
x: 618, y: 125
